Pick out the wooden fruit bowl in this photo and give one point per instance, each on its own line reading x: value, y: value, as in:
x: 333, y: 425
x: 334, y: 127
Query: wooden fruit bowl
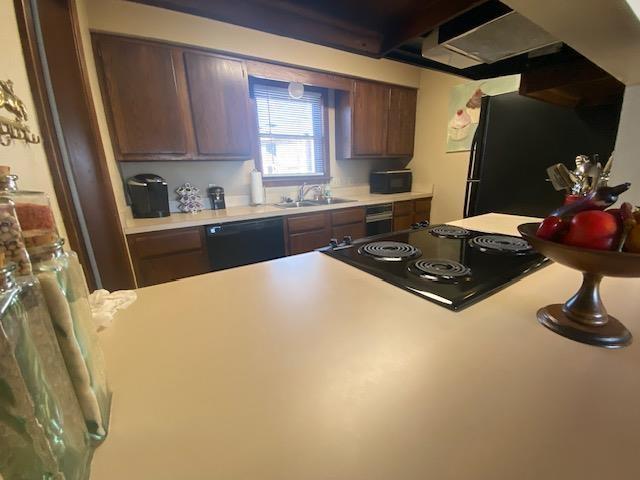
x: 583, y: 317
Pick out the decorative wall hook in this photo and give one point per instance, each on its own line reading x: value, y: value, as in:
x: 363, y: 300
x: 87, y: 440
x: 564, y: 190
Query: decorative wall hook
x: 16, y: 129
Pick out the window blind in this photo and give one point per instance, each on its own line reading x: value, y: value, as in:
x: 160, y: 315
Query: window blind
x: 291, y: 131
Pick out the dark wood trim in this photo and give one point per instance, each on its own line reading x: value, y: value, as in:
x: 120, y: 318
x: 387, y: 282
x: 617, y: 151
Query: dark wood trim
x: 579, y: 83
x: 296, y: 180
x: 271, y: 71
x: 47, y: 132
x: 282, y: 19
x: 88, y: 168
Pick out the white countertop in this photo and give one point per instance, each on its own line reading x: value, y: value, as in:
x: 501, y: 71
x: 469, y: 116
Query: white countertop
x: 306, y: 368
x: 247, y: 212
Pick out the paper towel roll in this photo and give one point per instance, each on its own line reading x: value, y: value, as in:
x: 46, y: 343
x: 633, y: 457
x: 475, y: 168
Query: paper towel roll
x: 257, y: 189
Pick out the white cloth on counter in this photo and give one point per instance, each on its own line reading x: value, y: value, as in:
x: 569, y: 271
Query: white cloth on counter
x: 105, y: 304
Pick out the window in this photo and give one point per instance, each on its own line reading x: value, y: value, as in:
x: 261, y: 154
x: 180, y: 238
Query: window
x: 292, y: 133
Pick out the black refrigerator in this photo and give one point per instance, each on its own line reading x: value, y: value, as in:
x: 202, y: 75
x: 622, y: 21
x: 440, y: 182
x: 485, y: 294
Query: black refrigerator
x: 518, y: 138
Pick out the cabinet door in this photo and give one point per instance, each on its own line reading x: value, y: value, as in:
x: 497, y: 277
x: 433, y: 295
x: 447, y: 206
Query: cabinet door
x: 422, y: 209
x: 219, y: 96
x: 143, y: 89
x: 369, y: 119
x: 402, y: 215
x: 160, y: 257
x: 309, y: 241
x: 402, y: 222
x: 402, y: 121
x: 353, y: 230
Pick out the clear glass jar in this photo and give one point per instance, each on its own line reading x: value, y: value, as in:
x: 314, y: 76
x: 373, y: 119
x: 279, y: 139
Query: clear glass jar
x: 65, y: 290
x: 12, y: 242
x: 71, y: 442
x: 33, y: 208
x: 33, y: 438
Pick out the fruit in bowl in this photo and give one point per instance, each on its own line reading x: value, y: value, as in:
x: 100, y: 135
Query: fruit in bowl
x: 585, y: 223
x: 593, y: 229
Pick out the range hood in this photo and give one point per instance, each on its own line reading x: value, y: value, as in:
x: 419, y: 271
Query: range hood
x: 507, y: 35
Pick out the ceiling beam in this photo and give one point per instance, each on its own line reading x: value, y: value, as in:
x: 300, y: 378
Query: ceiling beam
x: 281, y: 18
x: 426, y: 16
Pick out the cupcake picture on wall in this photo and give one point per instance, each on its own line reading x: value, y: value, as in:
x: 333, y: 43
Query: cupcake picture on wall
x: 465, y: 106
x: 460, y: 125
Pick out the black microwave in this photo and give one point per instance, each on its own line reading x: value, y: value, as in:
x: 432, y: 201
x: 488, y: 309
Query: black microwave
x: 390, y: 181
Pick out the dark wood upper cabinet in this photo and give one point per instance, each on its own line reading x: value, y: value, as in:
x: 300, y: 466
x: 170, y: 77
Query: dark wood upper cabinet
x: 166, y: 102
x: 143, y: 93
x: 375, y: 120
x: 219, y: 99
x: 369, y: 118
x: 402, y: 121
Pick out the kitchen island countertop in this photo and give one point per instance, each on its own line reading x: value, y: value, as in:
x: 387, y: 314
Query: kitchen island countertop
x: 305, y: 368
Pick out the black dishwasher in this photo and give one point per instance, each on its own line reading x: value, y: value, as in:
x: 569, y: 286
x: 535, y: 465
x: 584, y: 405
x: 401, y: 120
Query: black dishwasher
x: 240, y: 243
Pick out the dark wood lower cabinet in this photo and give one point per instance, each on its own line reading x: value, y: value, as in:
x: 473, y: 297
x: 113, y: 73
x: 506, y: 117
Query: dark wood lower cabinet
x: 353, y: 230
x: 308, y: 241
x: 309, y: 232
x: 348, y: 222
x: 410, y: 211
x: 167, y: 255
x: 421, y: 209
x: 305, y: 233
x: 160, y: 257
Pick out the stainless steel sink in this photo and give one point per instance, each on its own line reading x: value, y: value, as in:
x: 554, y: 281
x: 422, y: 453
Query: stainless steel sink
x: 313, y: 203
x: 304, y: 203
x: 330, y: 201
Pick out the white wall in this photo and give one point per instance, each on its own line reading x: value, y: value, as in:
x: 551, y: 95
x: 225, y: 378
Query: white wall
x: 431, y: 165
x: 117, y: 16
x: 627, y: 154
x: 29, y: 162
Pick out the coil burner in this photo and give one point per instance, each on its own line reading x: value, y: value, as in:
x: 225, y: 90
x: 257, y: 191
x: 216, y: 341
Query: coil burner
x: 449, y: 231
x: 501, y: 244
x: 440, y: 270
x: 388, y: 251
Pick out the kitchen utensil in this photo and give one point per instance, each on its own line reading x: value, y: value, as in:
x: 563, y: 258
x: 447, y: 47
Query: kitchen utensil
x: 583, y: 317
x: 593, y: 176
x: 561, y: 178
x: 606, y: 172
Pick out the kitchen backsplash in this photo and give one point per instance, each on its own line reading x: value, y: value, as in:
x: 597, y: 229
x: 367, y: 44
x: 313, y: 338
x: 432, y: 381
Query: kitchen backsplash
x: 233, y: 176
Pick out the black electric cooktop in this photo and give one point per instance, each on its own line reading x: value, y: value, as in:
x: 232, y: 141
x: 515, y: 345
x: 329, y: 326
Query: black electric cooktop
x: 448, y: 265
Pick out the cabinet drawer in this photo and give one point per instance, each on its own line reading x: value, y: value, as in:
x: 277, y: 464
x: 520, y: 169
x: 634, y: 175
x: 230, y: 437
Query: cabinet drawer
x: 306, y: 223
x: 402, y: 208
x: 152, y: 271
x: 309, y: 241
x: 154, y: 244
x: 422, y: 205
x: 346, y: 216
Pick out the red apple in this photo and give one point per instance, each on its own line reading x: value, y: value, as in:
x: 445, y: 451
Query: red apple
x: 552, y: 228
x: 592, y: 229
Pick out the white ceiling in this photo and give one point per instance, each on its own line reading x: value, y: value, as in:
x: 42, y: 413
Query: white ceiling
x: 607, y: 32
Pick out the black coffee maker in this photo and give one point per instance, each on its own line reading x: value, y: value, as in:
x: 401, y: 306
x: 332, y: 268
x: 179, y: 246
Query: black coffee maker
x: 216, y: 194
x: 149, y: 196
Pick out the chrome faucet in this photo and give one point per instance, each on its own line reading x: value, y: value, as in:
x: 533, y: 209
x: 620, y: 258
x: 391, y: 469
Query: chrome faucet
x: 304, y: 190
